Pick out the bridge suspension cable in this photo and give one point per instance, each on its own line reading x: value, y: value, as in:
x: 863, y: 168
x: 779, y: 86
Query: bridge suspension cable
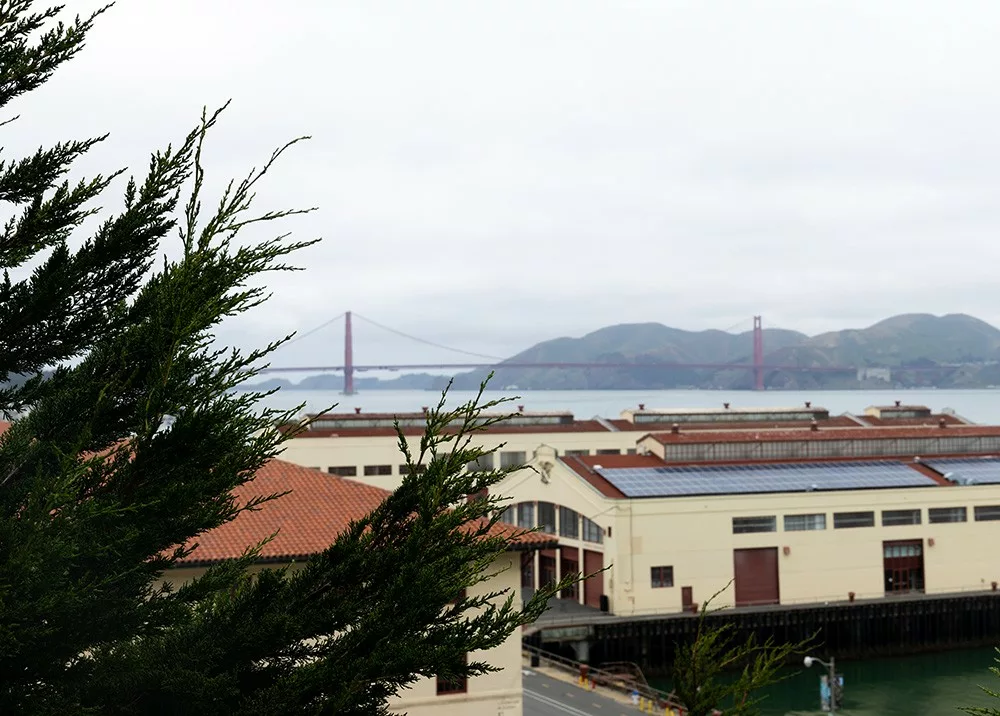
x: 298, y: 337
x: 426, y: 342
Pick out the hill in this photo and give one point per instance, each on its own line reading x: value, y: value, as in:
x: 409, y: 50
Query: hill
x: 911, y: 340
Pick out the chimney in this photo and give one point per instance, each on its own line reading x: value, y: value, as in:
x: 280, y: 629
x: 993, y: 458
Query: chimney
x: 642, y: 406
x: 675, y: 428
x: 814, y: 426
x: 357, y: 411
x: 808, y: 404
x: 897, y: 403
x: 520, y: 408
x: 942, y: 423
x: 726, y: 406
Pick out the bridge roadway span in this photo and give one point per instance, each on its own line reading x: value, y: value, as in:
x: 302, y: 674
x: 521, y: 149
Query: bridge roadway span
x: 501, y: 364
x: 545, y: 696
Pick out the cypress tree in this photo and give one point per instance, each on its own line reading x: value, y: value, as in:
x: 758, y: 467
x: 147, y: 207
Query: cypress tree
x: 129, y: 438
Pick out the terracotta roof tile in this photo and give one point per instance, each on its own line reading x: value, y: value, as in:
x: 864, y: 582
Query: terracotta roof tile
x: 3, y: 426
x: 319, y: 507
x: 929, y: 420
x: 804, y: 434
x: 584, y: 467
x: 838, y: 421
x: 579, y: 426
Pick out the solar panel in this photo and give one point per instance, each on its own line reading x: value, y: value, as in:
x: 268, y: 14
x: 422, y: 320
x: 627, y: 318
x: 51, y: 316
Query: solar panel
x: 748, y: 479
x: 982, y: 470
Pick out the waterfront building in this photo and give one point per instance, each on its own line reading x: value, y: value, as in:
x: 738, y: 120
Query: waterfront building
x: 307, y: 520
x: 792, y: 505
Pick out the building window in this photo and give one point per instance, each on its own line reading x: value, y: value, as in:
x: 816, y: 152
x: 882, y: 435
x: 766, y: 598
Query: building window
x: 371, y: 470
x: 509, y: 516
x: 483, y: 464
x: 460, y: 685
x: 345, y: 471
x: 609, y: 451
x: 987, y: 513
x: 630, y: 451
x: 526, y: 515
x: 805, y: 523
x: 591, y: 531
x: 513, y: 459
x: 405, y: 469
x: 846, y: 520
x: 936, y: 515
x: 661, y: 577
x: 893, y: 518
x: 576, y: 453
x: 547, y: 517
x: 569, y: 523
x: 742, y: 525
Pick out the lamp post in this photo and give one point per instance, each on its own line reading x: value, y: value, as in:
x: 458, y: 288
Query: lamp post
x: 831, y: 667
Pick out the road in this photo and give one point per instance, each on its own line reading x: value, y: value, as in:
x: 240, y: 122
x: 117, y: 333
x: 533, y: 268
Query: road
x: 545, y: 696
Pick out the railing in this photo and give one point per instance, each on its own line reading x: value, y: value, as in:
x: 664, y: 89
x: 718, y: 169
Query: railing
x: 724, y: 608
x: 626, y: 684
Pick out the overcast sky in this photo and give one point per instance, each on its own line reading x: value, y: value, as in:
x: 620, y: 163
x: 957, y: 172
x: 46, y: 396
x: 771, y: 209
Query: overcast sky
x: 492, y: 174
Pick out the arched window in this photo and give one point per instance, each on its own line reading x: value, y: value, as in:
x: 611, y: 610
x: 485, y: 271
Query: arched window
x: 569, y: 523
x: 592, y: 532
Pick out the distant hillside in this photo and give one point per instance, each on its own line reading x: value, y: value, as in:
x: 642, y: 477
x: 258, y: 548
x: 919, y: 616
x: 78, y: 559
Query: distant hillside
x: 907, y: 340
x: 961, y: 352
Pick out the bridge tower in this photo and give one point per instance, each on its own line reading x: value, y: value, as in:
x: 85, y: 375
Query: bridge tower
x: 758, y: 353
x: 348, y: 356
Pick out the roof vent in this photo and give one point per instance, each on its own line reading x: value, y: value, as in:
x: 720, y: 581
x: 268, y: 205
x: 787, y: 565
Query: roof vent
x: 598, y: 467
x: 726, y: 406
x: 642, y: 406
x: 424, y: 410
x: 942, y: 423
x: 520, y: 408
x: 675, y: 428
x: 357, y: 411
x: 814, y: 426
x: 808, y: 404
x: 898, y: 403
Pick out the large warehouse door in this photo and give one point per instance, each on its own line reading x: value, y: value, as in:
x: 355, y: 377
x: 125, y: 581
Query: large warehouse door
x: 756, y: 573
x: 593, y: 588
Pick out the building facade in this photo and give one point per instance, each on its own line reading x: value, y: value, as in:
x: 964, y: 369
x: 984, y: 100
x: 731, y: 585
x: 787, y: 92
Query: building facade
x: 307, y: 520
x: 769, y: 506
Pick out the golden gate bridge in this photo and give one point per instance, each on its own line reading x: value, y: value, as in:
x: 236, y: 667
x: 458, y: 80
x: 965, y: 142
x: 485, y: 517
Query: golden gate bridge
x: 758, y: 367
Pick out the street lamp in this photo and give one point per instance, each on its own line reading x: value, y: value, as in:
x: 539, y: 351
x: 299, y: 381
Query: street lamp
x: 831, y: 667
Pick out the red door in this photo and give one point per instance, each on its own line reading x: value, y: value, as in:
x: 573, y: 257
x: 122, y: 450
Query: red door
x: 903, y: 563
x: 593, y: 588
x: 569, y: 564
x: 687, y: 599
x: 756, y: 572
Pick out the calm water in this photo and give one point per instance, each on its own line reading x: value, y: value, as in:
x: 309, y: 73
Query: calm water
x: 979, y: 405
x: 926, y: 684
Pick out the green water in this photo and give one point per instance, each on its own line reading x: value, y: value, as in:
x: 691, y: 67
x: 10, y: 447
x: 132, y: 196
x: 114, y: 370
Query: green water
x: 908, y: 686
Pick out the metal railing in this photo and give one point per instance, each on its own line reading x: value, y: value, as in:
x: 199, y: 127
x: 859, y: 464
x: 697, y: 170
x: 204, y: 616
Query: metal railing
x: 657, y: 700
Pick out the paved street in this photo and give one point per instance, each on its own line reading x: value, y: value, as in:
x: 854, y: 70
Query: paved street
x: 545, y: 696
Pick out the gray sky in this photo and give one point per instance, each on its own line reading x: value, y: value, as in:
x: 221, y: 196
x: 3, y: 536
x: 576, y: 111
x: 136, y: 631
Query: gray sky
x: 494, y: 174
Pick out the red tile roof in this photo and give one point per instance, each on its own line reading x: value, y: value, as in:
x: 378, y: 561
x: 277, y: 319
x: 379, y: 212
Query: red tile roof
x: 578, y: 426
x: 873, y: 433
x: 838, y: 421
x: 584, y: 467
x: 319, y: 507
x: 3, y: 426
x: 932, y: 420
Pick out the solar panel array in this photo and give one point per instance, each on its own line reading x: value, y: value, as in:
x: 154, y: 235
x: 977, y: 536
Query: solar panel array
x: 984, y: 471
x: 748, y: 479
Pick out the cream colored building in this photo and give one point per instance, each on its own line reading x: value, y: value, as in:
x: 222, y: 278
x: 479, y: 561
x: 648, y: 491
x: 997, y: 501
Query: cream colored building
x: 875, y: 517
x: 308, y: 519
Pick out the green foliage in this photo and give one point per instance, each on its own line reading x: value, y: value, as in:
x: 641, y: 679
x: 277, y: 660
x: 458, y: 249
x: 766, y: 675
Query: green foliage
x: 987, y: 710
x: 702, y: 672
x: 133, y: 446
